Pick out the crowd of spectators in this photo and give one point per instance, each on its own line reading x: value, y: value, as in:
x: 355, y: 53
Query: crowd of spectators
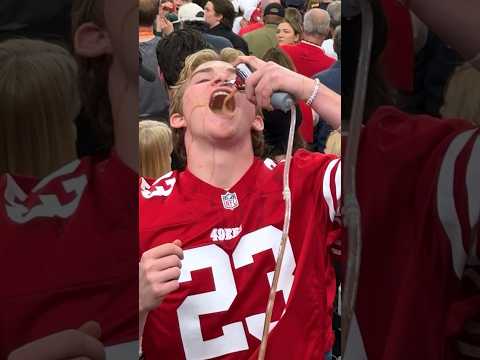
x: 303, y: 37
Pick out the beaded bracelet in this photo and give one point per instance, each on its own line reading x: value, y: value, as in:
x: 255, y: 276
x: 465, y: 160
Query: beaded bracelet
x: 314, y: 93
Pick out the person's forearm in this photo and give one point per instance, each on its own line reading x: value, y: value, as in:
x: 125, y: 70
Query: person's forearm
x: 328, y: 105
x: 456, y: 22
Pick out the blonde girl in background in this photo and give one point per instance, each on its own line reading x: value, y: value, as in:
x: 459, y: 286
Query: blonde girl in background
x: 39, y: 101
x: 155, y: 145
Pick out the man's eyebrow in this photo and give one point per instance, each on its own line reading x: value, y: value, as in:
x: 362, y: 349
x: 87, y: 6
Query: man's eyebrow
x: 210, y: 70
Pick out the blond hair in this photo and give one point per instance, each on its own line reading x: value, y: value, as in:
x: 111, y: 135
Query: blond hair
x: 39, y: 101
x: 230, y: 54
x: 334, y: 143
x: 192, y: 62
x: 155, y: 145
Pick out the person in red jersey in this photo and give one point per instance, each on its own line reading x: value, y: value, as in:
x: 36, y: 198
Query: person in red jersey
x: 68, y: 252
x: 419, y: 219
x: 209, y: 235
x: 307, y: 55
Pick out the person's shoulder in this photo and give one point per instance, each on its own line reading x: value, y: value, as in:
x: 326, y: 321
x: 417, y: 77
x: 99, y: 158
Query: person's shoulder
x: 249, y: 28
x: 307, y: 163
x: 304, y: 157
x: 157, y: 190
x: 391, y: 120
x: 159, y: 201
x: 25, y: 197
x: 150, y: 44
x: 407, y: 139
x: 252, y: 34
x: 331, y: 77
x: 219, y: 42
x: 290, y: 49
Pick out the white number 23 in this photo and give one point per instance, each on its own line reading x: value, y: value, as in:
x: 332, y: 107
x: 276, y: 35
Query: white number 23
x: 211, y: 256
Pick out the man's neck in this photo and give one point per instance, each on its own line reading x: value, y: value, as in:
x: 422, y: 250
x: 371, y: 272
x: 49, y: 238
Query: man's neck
x: 221, y: 167
x: 314, y: 39
x: 145, y: 33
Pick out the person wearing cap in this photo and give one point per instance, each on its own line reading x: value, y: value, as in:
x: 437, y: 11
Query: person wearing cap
x: 256, y: 21
x: 192, y: 16
x: 219, y: 15
x: 262, y: 40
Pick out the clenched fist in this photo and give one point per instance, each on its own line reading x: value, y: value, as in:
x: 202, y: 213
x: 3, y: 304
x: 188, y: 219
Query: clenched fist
x: 159, y: 270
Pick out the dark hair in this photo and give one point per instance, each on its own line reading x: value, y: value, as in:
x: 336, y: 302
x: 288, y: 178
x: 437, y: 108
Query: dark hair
x: 93, y: 78
x: 226, y: 9
x: 173, y: 49
x: 278, y: 56
x: 147, y: 12
x: 277, y: 123
x: 294, y: 18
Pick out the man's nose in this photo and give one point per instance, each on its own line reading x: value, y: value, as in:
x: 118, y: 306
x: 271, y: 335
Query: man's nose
x: 221, y: 79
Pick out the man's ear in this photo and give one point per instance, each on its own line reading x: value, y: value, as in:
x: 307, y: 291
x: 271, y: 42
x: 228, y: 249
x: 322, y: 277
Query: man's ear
x: 92, y: 41
x: 258, y: 124
x: 177, y: 121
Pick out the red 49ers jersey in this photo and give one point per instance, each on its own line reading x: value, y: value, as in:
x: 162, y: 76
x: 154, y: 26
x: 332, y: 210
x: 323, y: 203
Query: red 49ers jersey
x: 68, y: 253
x: 230, y: 241
x: 418, y: 186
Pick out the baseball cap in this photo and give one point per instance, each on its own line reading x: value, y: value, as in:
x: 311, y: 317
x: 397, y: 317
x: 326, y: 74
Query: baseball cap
x: 191, y: 12
x: 274, y: 9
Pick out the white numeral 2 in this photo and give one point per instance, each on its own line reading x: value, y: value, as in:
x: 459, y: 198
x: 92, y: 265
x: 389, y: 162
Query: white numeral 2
x: 211, y: 256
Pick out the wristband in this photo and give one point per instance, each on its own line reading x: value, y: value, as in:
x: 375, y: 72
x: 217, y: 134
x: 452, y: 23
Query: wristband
x: 314, y: 93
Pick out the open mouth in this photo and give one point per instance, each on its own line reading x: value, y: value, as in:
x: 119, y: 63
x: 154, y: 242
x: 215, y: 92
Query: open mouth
x: 222, y: 101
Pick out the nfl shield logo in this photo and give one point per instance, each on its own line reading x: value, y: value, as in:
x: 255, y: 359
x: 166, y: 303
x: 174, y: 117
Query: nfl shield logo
x: 230, y: 201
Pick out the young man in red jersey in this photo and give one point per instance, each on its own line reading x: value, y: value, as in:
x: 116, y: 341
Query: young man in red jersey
x: 69, y: 240
x: 209, y: 235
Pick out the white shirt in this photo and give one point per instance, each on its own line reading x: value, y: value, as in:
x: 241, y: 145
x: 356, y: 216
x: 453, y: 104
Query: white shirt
x: 327, y: 46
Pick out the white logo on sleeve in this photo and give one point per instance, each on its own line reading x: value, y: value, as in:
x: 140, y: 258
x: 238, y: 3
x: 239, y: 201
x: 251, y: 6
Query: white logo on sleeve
x: 49, y: 205
x: 162, y: 187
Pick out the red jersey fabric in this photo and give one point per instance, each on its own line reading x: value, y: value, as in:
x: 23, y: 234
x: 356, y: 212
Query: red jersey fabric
x: 69, y: 248
x: 306, y: 127
x: 419, y: 196
x: 308, y: 58
x: 250, y: 27
x: 398, y: 57
x: 230, y: 246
